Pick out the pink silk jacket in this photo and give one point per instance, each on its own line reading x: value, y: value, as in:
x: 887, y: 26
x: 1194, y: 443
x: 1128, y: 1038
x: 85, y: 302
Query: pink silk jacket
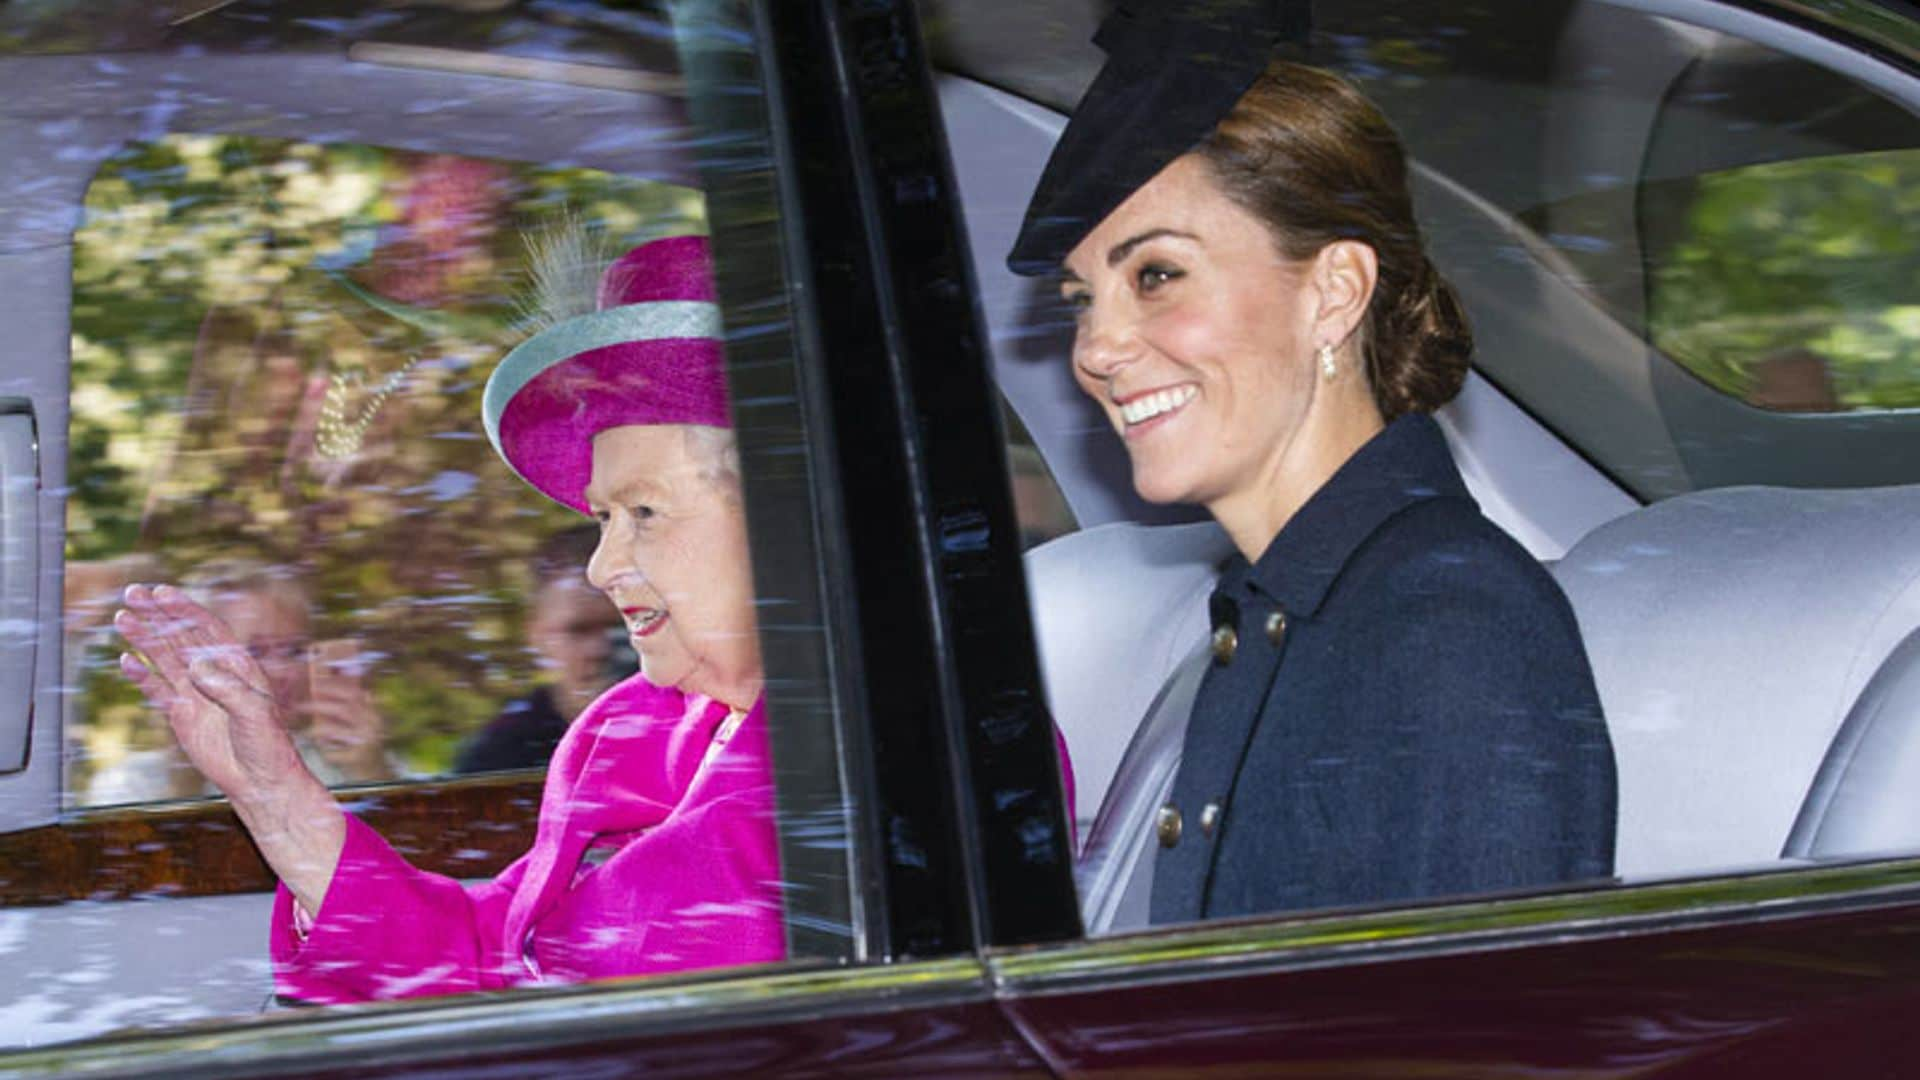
x: 643, y: 862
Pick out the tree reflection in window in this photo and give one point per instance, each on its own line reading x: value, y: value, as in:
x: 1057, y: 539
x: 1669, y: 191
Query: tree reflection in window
x: 278, y: 353
x: 1794, y: 286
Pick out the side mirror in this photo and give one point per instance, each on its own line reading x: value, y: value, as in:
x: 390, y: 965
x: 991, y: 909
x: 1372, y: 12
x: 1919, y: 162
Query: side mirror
x: 19, y: 577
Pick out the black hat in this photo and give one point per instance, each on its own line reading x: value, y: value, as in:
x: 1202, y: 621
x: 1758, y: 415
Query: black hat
x: 1174, y: 70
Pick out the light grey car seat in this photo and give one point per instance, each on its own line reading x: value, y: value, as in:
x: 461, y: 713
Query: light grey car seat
x: 1118, y: 610
x: 1753, y: 650
x: 1115, y: 608
x: 1866, y: 797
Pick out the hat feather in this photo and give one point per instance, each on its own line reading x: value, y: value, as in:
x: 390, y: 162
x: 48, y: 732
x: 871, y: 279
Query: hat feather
x: 564, y: 262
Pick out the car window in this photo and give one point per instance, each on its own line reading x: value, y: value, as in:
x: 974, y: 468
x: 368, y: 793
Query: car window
x: 278, y: 352
x: 265, y: 267
x: 1811, y: 315
x: 1735, y: 219
x: 1775, y: 258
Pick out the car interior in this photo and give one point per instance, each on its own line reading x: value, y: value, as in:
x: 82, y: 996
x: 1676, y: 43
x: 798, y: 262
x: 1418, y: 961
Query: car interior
x: 1752, y: 642
x: 1753, y: 621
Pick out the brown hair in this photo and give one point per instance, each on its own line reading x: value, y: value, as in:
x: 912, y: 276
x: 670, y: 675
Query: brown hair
x: 1310, y: 156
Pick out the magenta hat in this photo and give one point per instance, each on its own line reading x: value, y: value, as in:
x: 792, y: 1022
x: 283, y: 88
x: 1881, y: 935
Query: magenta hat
x: 649, y: 354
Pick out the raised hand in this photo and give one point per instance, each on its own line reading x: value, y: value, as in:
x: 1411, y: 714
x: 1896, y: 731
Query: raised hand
x: 218, y: 702
x: 215, y: 697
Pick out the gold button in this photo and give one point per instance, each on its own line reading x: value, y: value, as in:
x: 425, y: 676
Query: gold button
x: 1169, y: 822
x: 1210, y: 817
x: 1225, y: 644
x: 1277, y: 628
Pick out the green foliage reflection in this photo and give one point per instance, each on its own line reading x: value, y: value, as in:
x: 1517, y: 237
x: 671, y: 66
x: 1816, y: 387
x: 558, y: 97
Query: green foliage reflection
x: 1793, y: 286
x: 238, y: 306
x: 1787, y: 270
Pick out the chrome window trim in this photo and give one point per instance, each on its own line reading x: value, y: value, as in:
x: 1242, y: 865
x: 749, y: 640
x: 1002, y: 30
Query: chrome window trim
x: 1863, y: 18
x: 1244, y: 947
x: 444, y: 1032
x: 1783, y: 25
x: 20, y: 531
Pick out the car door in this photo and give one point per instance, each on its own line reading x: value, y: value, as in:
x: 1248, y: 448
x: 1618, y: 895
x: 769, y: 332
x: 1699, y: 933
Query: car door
x: 263, y: 258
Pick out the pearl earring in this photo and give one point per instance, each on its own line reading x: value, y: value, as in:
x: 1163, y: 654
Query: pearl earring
x: 1329, y: 367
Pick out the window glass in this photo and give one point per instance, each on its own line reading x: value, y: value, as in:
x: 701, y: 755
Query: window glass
x: 279, y: 349
x: 1743, y: 214
x: 1786, y: 285
x: 1038, y: 503
x: 261, y: 273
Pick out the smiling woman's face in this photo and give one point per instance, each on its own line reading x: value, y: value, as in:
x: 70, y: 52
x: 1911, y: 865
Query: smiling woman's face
x: 673, y: 559
x: 1195, y: 335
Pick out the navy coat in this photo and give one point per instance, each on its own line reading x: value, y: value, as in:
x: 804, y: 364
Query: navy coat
x: 1407, y: 710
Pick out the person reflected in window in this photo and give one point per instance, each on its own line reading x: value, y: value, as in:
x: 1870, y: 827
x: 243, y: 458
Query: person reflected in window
x: 568, y: 631
x: 655, y: 849
x: 1398, y: 703
x: 335, y: 727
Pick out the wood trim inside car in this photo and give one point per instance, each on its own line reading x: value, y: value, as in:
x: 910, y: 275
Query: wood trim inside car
x: 462, y: 828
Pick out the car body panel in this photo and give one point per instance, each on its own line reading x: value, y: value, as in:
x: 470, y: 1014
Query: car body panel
x: 1818, y: 996
x: 929, y: 1018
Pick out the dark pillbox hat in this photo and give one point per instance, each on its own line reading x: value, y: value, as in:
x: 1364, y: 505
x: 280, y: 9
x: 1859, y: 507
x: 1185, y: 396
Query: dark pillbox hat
x: 1173, y: 71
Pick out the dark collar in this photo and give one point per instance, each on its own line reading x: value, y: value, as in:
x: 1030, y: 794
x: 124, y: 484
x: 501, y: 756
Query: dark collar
x: 1405, y: 463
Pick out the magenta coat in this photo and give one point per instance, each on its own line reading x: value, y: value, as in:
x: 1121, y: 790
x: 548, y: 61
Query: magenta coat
x: 642, y: 863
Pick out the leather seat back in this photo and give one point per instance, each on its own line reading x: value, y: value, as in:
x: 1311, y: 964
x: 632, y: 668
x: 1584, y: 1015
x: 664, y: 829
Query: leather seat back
x: 1731, y: 633
x: 1115, y: 609
x: 1866, y: 798
x: 1115, y: 872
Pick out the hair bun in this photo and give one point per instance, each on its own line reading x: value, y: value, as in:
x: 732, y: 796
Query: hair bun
x: 1422, y: 343
x: 1312, y: 158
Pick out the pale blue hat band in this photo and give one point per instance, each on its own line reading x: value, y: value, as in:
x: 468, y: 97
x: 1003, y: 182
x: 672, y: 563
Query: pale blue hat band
x: 651, y: 321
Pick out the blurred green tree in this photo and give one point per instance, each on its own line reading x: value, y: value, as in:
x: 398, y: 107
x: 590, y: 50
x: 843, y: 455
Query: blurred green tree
x: 278, y: 352
x: 1791, y: 265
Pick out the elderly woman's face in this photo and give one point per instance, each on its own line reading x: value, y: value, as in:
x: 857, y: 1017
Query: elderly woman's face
x: 1194, y: 334
x: 673, y: 559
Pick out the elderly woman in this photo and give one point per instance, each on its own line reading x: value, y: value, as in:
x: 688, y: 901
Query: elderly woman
x: 656, y: 848
x: 1399, y: 704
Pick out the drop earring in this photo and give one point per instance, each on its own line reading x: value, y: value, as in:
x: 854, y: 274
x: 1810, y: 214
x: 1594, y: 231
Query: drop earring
x: 1329, y: 367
